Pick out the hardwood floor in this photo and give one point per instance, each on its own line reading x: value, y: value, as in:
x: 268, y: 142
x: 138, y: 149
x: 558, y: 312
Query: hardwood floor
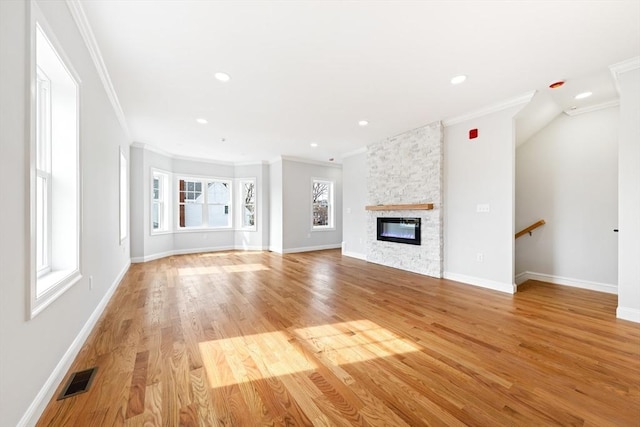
x: 256, y: 338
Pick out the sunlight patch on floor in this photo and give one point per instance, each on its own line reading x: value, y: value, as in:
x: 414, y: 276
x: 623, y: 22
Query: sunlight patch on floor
x: 241, y: 268
x: 243, y: 359
x: 231, y: 253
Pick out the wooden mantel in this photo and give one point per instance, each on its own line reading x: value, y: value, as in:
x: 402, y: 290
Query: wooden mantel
x: 408, y: 207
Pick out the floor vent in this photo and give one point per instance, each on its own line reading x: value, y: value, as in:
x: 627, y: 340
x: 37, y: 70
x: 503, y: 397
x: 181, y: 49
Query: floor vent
x: 78, y: 383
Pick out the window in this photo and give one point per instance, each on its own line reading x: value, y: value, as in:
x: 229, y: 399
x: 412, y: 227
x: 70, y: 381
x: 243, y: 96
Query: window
x: 43, y: 172
x: 159, y: 205
x: 322, y: 204
x: 248, y: 203
x: 204, y: 203
x: 55, y: 199
x: 123, y: 197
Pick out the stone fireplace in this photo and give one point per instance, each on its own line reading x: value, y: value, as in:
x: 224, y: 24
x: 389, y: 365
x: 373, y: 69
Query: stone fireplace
x: 404, y: 170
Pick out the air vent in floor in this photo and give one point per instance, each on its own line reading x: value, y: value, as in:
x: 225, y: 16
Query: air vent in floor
x: 78, y: 383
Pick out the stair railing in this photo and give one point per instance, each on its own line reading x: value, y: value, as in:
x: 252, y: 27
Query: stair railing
x: 530, y: 228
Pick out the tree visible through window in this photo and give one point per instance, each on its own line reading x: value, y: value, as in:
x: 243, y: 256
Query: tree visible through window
x: 248, y: 188
x: 322, y: 203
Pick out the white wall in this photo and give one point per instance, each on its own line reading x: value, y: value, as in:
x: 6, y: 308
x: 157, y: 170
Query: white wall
x: 629, y: 195
x: 354, y: 197
x: 480, y: 171
x: 32, y: 352
x: 296, y: 206
x: 276, y: 217
x: 567, y: 174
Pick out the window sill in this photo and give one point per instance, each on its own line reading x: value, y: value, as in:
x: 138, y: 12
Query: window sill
x: 160, y: 233
x: 51, y: 286
x: 202, y: 229
x: 323, y: 229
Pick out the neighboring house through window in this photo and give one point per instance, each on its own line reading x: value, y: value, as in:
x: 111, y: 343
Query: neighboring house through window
x: 204, y: 203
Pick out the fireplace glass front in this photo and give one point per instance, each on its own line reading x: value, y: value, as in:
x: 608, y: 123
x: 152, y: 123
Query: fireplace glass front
x: 399, y: 230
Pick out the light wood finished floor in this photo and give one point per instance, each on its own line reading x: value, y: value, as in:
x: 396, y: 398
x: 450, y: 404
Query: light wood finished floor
x: 256, y: 338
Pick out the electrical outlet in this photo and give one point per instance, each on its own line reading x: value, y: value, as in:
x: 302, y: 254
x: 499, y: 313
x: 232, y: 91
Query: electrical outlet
x: 480, y: 257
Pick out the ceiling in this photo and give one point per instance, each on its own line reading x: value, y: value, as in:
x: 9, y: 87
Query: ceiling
x: 306, y: 72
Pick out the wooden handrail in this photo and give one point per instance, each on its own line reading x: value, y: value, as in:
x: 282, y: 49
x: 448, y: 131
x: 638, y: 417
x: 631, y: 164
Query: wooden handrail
x: 530, y: 228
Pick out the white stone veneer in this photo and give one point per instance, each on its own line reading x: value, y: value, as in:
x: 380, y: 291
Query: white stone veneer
x: 402, y: 170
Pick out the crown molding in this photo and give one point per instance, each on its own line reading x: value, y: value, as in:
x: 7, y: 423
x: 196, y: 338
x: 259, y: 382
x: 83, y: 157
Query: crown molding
x: 302, y: 160
x: 355, y: 152
x: 148, y: 147
x: 256, y: 163
x: 622, y: 67
x: 592, y: 108
x: 493, y: 108
x: 172, y: 156
x: 80, y: 18
x: 311, y: 162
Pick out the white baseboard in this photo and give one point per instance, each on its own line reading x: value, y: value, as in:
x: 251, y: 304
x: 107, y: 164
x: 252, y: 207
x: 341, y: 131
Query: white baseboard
x: 159, y: 255
x: 626, y: 313
x: 311, y: 248
x: 251, y: 248
x: 202, y: 250
x: 509, y: 288
x: 37, y: 407
x: 566, y: 281
x: 276, y: 249
x: 151, y: 257
x: 363, y: 257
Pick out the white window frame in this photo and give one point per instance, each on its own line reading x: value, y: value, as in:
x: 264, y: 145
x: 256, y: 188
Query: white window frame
x: 164, y: 202
x: 49, y: 281
x: 331, y: 211
x: 124, y: 197
x: 204, y: 180
x: 242, y: 204
x: 43, y: 171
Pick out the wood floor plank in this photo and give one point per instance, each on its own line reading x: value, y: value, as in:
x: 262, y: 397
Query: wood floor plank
x: 257, y: 338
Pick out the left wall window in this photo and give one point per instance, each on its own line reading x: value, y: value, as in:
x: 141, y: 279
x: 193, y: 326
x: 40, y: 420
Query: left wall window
x: 55, y: 171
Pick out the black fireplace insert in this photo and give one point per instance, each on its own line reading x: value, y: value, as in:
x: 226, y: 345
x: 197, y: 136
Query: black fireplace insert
x: 399, y: 230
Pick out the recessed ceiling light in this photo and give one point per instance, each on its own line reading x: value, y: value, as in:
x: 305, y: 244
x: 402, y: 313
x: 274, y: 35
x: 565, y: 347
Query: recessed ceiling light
x: 223, y: 77
x: 458, y: 79
x: 313, y: 144
x: 583, y: 95
x: 202, y: 121
x: 363, y: 123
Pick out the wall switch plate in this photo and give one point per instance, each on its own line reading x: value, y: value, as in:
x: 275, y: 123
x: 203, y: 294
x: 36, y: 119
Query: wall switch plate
x: 483, y: 208
x: 90, y: 282
x: 480, y: 257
